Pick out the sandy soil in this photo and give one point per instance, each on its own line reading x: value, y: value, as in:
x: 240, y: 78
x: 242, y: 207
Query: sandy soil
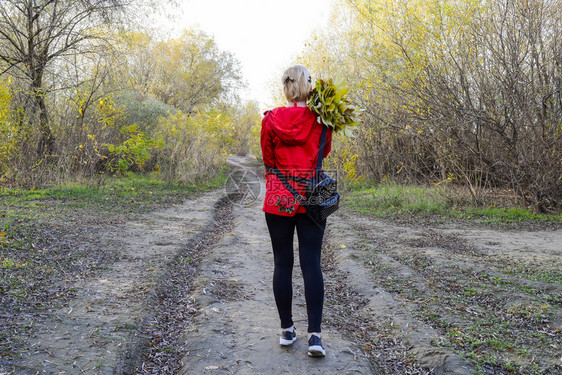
x: 190, y: 293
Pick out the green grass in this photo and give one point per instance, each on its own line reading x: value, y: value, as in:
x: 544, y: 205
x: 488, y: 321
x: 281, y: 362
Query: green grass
x: 393, y: 200
x: 486, y: 319
x: 503, y: 215
x: 132, y: 194
x: 550, y: 276
x: 386, y: 199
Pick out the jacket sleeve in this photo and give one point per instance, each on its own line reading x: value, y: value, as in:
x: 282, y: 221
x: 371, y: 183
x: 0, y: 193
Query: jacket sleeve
x: 267, y: 143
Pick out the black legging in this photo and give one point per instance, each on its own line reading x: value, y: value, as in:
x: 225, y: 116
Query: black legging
x: 310, y: 235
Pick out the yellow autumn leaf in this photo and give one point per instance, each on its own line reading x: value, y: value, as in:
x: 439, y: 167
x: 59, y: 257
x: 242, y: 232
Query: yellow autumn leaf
x: 3, y: 234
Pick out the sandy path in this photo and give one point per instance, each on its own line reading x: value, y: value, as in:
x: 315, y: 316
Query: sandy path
x: 233, y: 328
x: 238, y: 328
x: 90, y: 334
x: 379, y: 255
x: 100, y: 331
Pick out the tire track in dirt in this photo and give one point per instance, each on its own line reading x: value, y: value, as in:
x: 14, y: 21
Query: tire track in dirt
x: 398, y: 342
x: 237, y: 330
x: 91, y: 332
x: 190, y: 293
x: 160, y: 348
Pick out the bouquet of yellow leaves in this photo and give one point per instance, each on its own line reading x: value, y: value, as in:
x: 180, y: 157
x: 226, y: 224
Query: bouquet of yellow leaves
x: 333, y: 109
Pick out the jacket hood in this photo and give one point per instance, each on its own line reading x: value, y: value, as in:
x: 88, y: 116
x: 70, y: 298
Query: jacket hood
x: 292, y: 125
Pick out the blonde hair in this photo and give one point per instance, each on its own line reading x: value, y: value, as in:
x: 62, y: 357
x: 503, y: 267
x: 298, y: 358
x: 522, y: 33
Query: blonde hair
x: 297, y: 83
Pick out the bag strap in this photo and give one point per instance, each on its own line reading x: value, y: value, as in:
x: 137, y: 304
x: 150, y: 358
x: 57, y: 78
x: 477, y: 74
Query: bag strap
x: 321, y: 148
x: 283, y: 179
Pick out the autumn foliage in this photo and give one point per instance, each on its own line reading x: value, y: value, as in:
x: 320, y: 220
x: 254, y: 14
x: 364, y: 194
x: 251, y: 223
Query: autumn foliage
x: 463, y: 92
x: 91, y: 94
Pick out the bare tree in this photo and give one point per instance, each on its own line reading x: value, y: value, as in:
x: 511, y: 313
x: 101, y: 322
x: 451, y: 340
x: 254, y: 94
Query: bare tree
x: 33, y: 35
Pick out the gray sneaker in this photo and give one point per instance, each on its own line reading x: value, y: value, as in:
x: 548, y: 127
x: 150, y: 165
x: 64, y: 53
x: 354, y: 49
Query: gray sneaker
x: 315, y: 348
x: 287, y: 337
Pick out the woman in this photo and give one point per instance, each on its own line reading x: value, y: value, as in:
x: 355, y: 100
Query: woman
x: 290, y: 142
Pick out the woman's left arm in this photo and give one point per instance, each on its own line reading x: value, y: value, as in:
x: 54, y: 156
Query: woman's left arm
x: 266, y: 141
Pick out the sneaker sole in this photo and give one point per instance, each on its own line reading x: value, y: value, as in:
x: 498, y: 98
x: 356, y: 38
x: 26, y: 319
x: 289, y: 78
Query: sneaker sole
x: 316, y: 351
x: 287, y: 342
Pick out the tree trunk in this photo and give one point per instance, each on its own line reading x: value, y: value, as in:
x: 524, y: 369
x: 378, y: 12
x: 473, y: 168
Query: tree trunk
x: 46, y: 143
x: 36, y: 64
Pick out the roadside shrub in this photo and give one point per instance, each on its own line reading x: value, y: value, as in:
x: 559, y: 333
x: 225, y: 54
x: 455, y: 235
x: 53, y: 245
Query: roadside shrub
x: 142, y: 110
x: 246, y: 121
x: 342, y: 162
x: 255, y: 136
x: 21, y: 136
x: 194, y: 148
x: 83, y: 134
x: 133, y: 153
x: 8, y: 130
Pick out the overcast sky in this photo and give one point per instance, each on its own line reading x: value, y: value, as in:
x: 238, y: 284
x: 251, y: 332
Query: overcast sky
x: 265, y: 35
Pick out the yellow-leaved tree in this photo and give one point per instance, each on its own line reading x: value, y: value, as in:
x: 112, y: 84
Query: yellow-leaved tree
x: 8, y: 131
x: 454, y: 90
x: 194, y: 147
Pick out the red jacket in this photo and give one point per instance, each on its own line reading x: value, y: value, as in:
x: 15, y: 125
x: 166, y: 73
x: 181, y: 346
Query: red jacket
x: 290, y: 141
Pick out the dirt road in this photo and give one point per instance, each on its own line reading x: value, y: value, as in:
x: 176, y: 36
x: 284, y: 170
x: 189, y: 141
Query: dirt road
x: 190, y: 293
